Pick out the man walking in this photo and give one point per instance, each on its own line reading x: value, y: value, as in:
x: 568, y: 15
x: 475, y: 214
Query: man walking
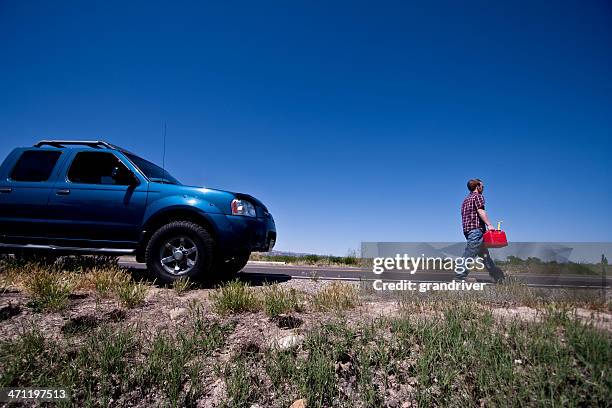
x: 475, y: 221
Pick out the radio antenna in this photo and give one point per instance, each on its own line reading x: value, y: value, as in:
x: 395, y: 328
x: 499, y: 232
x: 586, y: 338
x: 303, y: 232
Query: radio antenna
x: 164, y: 149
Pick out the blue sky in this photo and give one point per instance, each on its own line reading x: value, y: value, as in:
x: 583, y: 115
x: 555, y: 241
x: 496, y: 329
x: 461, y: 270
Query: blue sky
x: 351, y: 120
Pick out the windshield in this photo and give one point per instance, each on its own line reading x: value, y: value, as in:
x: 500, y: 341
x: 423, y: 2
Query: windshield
x: 152, y: 171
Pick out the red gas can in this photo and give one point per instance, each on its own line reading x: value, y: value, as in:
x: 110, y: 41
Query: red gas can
x: 495, y: 239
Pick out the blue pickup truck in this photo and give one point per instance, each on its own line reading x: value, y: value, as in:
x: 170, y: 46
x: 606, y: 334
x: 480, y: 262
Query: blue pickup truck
x: 91, y: 197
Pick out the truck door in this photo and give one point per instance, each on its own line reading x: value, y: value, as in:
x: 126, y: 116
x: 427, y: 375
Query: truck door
x: 101, y: 199
x: 24, y: 192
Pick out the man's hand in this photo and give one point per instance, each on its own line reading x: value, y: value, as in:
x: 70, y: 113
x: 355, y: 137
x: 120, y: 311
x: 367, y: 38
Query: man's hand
x: 490, y: 227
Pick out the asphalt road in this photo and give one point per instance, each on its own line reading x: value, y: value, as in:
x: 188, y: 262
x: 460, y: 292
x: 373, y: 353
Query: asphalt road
x: 273, y: 272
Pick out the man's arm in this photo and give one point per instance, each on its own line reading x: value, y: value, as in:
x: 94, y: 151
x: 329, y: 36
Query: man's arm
x: 483, y: 216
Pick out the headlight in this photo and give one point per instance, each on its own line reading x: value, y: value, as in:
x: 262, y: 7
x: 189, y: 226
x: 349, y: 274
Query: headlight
x: 243, y: 207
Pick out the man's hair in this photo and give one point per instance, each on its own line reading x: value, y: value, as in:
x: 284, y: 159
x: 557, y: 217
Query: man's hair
x: 473, y: 183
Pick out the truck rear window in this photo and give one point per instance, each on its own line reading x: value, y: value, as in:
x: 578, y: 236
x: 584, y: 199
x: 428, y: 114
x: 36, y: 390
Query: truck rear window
x: 35, y: 165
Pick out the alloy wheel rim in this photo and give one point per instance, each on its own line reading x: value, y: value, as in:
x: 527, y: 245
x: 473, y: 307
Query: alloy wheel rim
x: 178, y: 255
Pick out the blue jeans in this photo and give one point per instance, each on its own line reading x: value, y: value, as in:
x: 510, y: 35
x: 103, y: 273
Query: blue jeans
x: 473, y: 249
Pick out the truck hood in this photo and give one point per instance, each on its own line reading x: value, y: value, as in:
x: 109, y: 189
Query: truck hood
x: 220, y: 198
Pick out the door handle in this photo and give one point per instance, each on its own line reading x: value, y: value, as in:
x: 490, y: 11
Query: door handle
x: 6, y: 190
x: 63, y: 192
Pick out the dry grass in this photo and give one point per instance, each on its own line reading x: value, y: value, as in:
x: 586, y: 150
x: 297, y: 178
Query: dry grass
x: 239, y: 297
x: 234, y: 297
x: 460, y: 355
x: 131, y: 294
x: 51, y: 284
x: 511, y: 293
x: 182, y: 286
x: 49, y: 289
x: 336, y: 296
x: 103, y: 280
x: 278, y: 300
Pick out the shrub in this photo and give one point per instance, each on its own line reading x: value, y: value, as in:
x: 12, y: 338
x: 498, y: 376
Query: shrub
x: 243, y: 385
x: 336, y: 296
x: 278, y: 300
x: 105, y: 280
x: 49, y: 289
x: 234, y: 297
x: 182, y: 285
x: 130, y: 293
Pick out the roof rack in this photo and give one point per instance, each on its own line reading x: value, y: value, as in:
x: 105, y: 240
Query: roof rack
x: 61, y: 143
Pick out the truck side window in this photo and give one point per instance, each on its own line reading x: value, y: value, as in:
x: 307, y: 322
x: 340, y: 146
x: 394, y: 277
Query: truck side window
x: 96, y: 168
x: 35, y: 165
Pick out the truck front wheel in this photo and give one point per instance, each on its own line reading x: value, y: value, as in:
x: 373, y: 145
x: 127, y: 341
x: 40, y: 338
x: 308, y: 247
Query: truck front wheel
x: 180, y: 249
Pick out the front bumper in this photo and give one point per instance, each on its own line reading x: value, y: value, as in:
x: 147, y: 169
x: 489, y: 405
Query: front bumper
x: 247, y: 234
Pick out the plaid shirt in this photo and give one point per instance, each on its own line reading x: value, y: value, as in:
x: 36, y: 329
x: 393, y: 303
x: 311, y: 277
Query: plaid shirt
x: 469, y: 214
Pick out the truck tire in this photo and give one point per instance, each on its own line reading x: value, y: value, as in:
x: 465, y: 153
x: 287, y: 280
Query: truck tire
x: 180, y: 249
x: 229, y: 268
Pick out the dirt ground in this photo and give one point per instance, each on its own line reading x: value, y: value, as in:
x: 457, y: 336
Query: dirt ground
x: 164, y: 308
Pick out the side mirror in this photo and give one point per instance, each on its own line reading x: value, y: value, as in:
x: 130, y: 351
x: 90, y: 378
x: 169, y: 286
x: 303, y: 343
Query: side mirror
x: 123, y: 175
